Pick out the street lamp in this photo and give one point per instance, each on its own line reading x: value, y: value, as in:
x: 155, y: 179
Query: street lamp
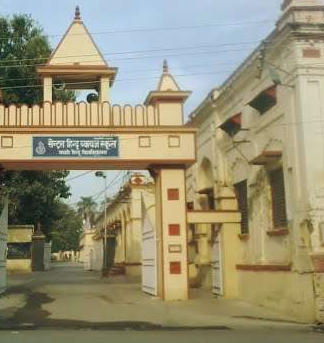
x: 104, y: 176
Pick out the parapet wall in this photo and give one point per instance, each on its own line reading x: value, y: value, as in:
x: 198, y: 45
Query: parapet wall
x: 80, y: 114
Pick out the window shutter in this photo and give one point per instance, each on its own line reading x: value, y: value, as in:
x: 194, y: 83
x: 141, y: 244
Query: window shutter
x: 242, y: 199
x: 279, y: 212
x: 265, y: 100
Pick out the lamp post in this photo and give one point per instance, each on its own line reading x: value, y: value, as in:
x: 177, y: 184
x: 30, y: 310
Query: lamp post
x: 104, y: 176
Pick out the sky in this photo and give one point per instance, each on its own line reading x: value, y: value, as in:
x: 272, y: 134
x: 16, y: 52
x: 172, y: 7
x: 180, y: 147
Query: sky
x: 208, y: 39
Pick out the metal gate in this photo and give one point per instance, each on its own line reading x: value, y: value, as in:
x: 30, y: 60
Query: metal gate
x: 3, y: 246
x: 149, y: 254
x: 216, y: 264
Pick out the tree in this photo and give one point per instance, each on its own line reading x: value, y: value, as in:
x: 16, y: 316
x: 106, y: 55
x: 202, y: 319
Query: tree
x: 87, y: 208
x: 33, y: 195
x: 23, y: 46
x: 67, y: 229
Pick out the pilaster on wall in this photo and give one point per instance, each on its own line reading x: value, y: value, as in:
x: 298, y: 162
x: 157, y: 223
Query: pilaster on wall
x: 203, y: 236
x: 311, y: 115
x: 104, y: 89
x: 172, y: 232
x: 47, y: 89
x: 230, y: 245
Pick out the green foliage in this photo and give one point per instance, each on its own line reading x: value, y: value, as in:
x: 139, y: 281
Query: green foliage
x: 34, y: 196
x: 24, y: 46
x: 67, y: 229
x: 24, y: 40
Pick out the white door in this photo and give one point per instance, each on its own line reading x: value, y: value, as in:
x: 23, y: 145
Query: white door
x: 216, y: 264
x: 3, y: 246
x: 88, y: 257
x: 149, y: 253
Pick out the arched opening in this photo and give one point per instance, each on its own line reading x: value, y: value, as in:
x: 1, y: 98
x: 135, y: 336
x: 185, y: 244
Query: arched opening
x: 206, y: 185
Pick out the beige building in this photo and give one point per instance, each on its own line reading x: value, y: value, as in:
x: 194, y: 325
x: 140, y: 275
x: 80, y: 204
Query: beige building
x: 261, y: 141
x: 101, y: 135
x: 124, y: 226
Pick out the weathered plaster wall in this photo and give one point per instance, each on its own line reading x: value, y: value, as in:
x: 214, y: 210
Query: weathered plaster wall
x: 20, y: 233
x: 289, y: 293
x: 127, y: 209
x: 16, y: 266
x: 295, y: 126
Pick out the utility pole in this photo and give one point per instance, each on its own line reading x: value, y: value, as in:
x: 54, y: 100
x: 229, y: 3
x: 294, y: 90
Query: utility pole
x: 104, y: 176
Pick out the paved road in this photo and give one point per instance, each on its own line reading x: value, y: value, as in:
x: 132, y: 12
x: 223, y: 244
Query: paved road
x: 161, y: 337
x: 68, y: 298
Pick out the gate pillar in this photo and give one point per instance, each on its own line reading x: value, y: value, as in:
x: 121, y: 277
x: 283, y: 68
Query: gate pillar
x: 3, y: 246
x: 38, y: 244
x: 171, y: 227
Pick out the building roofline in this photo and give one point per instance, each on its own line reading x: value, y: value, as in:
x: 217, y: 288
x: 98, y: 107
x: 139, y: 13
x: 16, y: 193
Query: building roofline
x: 234, y: 75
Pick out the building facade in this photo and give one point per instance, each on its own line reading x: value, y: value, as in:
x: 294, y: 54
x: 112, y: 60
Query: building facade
x: 261, y: 141
x: 124, y: 227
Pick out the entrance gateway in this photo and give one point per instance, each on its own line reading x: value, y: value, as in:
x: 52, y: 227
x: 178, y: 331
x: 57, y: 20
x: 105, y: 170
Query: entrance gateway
x: 101, y: 136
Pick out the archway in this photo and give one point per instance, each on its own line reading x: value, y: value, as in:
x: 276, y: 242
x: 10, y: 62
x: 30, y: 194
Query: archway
x: 101, y: 136
x: 206, y: 185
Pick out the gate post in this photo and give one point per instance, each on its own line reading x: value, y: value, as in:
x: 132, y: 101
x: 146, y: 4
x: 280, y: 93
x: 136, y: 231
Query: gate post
x: 230, y: 245
x: 47, y: 255
x: 171, y: 228
x: 38, y: 245
x: 3, y: 246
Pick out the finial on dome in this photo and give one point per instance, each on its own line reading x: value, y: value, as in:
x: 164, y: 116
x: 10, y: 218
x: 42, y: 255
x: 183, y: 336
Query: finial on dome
x: 165, y: 67
x: 77, y: 13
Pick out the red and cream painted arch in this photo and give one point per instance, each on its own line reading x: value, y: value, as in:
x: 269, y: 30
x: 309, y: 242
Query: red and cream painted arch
x: 99, y: 135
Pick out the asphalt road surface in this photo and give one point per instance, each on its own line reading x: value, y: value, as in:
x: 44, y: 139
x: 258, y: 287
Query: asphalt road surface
x: 69, y: 304
x: 271, y: 336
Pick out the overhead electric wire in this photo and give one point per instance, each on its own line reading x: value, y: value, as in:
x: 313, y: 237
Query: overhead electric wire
x: 134, y: 58
x: 120, y: 80
x: 144, y: 51
x: 137, y: 70
x: 137, y: 51
x: 142, y: 78
x: 112, y: 183
x: 155, y: 29
x: 78, y: 176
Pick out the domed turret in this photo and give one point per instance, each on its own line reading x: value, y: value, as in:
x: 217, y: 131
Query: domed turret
x: 168, y: 99
x: 77, y: 63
